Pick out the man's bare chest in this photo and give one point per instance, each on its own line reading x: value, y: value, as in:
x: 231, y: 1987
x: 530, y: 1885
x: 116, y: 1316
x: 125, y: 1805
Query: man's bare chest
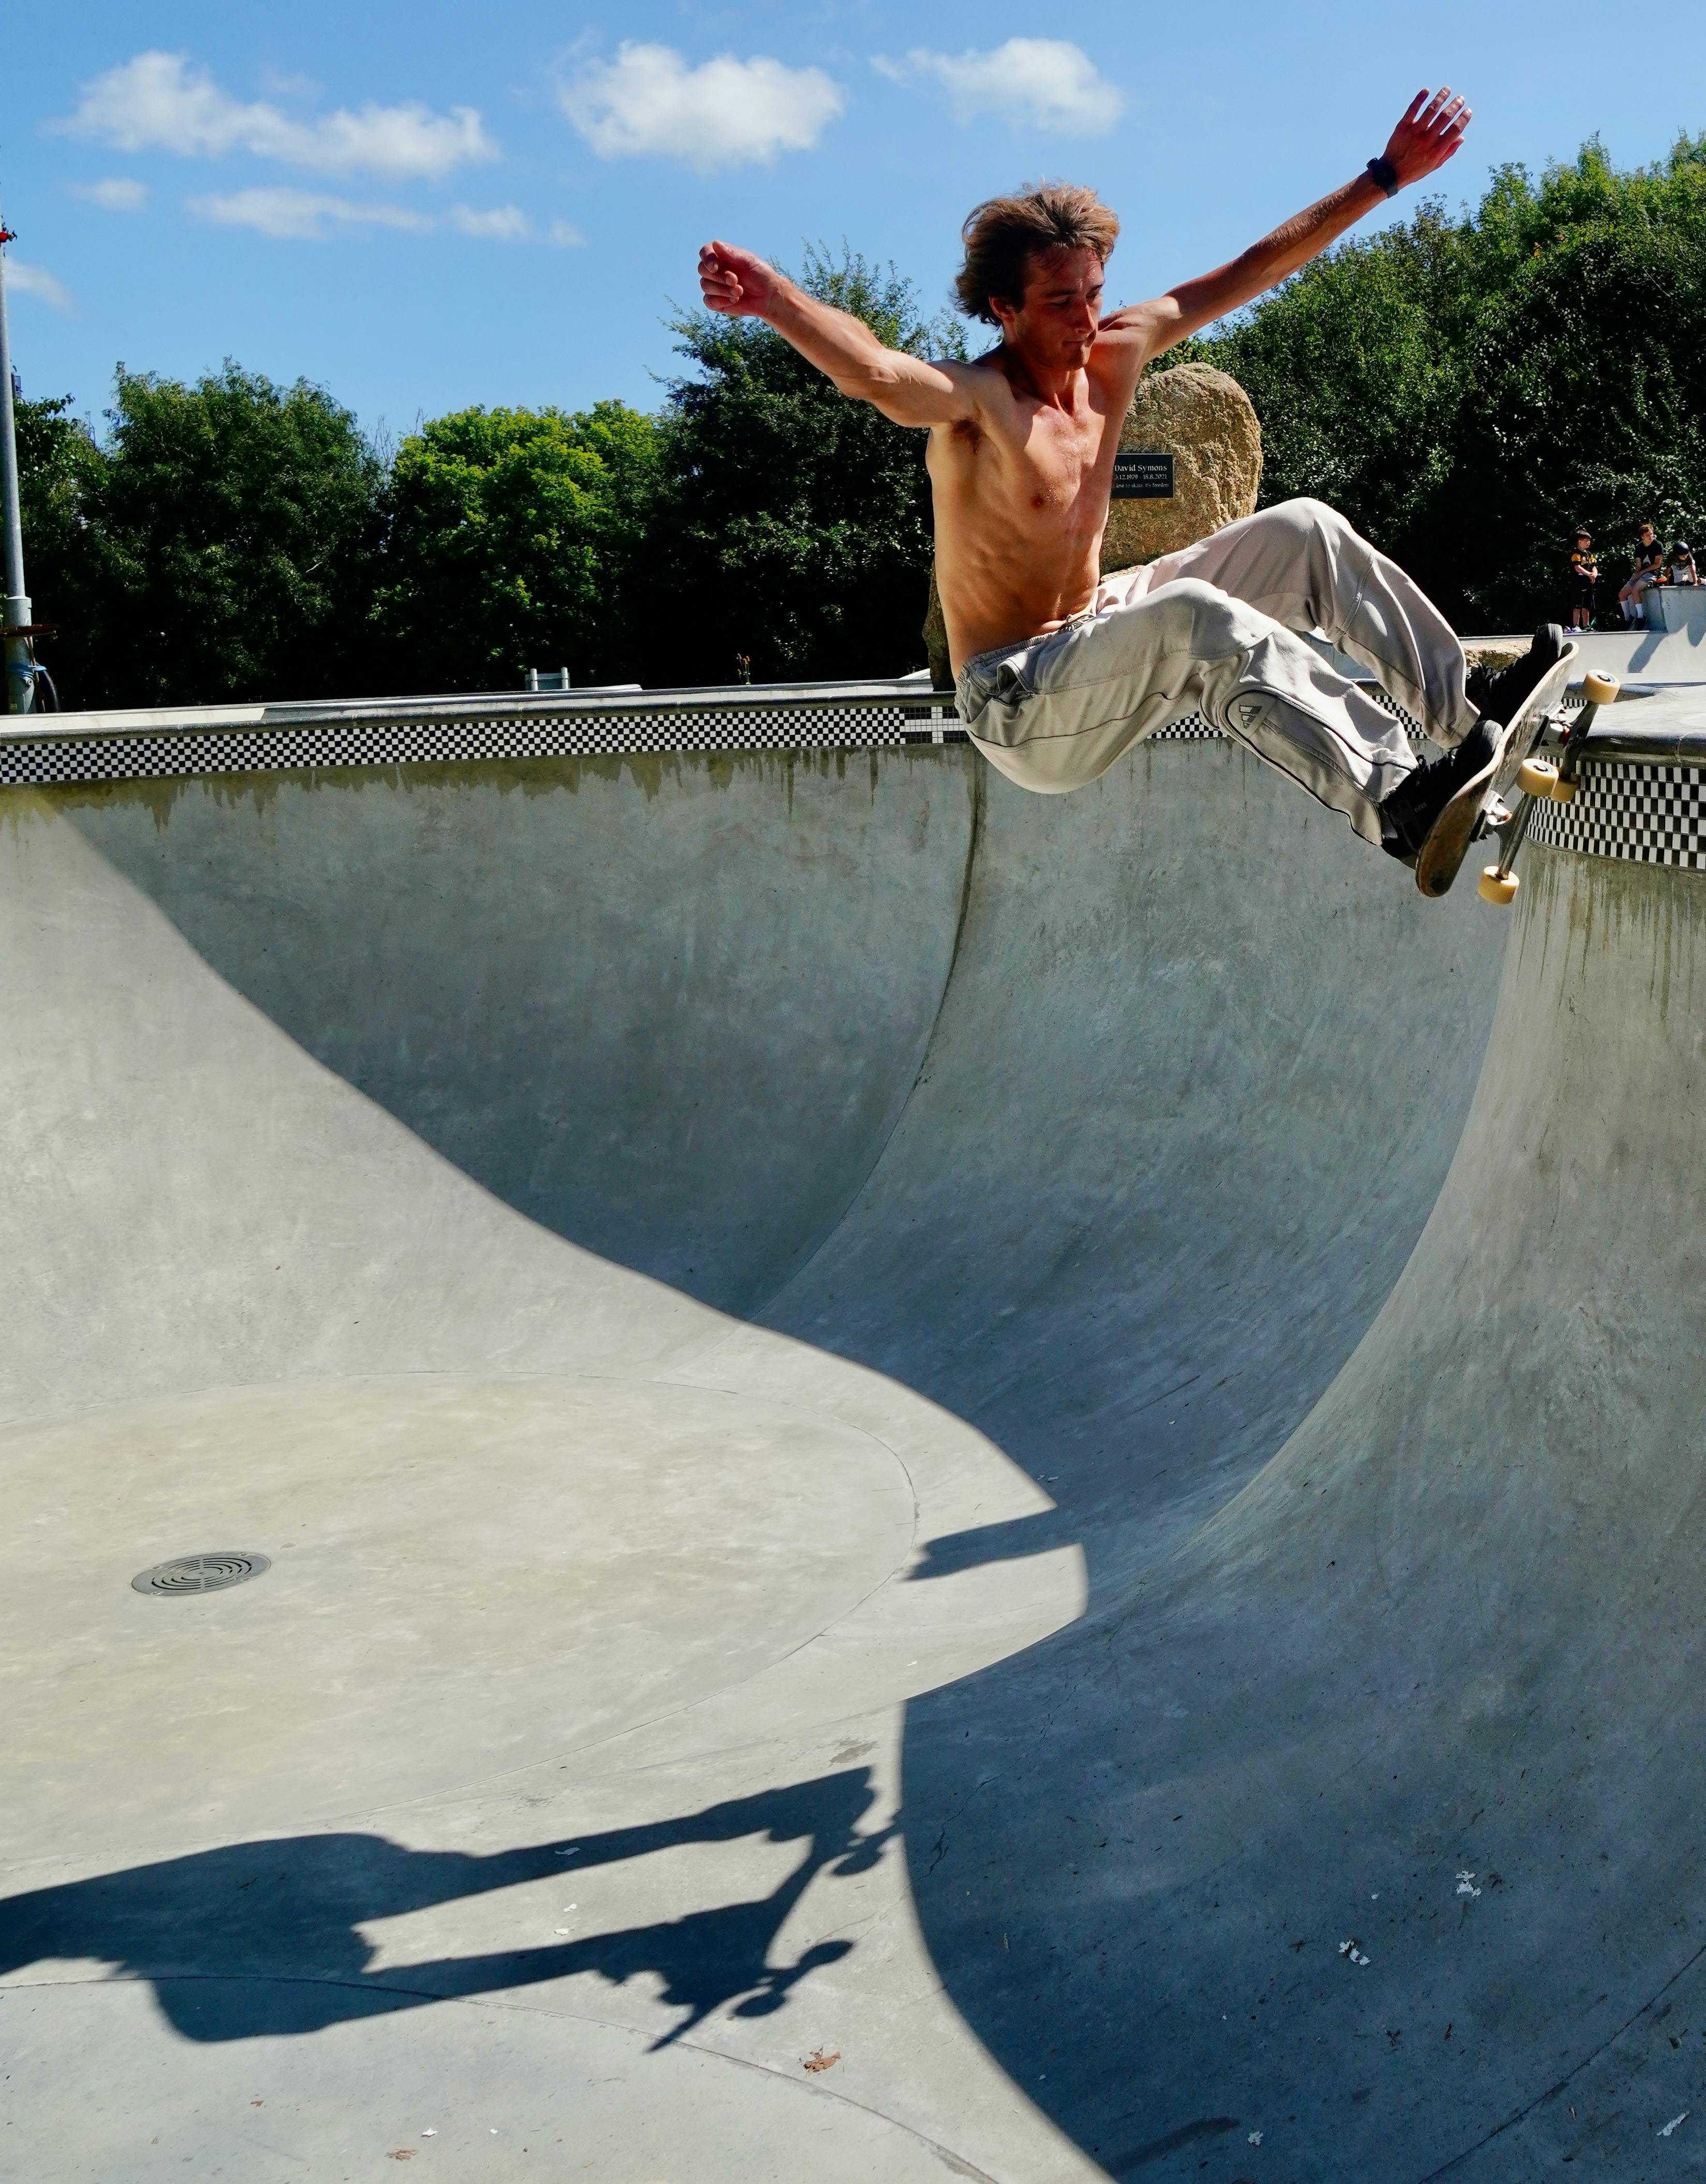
x: 1059, y: 463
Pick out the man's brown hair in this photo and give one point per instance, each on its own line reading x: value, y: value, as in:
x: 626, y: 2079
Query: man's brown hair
x: 1004, y: 234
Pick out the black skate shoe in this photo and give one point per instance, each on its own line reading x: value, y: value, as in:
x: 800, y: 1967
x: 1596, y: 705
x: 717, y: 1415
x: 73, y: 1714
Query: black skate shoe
x: 1430, y: 820
x: 1407, y: 816
x: 1500, y: 696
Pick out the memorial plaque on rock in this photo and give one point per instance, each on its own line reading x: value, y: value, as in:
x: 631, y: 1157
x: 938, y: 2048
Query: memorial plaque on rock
x: 1143, y: 474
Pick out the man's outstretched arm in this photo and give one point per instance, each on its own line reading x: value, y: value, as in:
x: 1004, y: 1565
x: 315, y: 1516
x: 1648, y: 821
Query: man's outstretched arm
x: 1428, y: 136
x: 910, y: 389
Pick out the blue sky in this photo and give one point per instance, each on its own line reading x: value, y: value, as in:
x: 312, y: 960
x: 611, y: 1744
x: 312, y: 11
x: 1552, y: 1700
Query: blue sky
x: 428, y: 206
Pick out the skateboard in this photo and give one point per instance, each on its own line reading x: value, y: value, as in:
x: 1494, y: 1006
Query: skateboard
x: 1540, y: 780
x: 1442, y: 855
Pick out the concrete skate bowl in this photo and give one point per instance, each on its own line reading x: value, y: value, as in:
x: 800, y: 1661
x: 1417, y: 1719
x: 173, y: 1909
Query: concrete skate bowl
x: 763, y: 1300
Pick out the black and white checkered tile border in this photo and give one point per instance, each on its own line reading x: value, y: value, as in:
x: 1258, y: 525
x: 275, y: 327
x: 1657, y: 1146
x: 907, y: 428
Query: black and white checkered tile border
x: 1648, y: 815
x: 1651, y: 814
x: 845, y: 724
x: 378, y: 742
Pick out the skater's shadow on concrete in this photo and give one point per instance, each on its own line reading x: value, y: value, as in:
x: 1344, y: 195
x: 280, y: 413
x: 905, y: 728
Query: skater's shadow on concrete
x: 264, y: 1937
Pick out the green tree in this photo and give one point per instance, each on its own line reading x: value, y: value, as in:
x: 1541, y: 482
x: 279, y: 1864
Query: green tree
x: 510, y: 539
x: 60, y: 472
x: 1586, y: 403
x: 1357, y: 370
x: 793, y: 527
x: 1468, y: 389
x: 232, y: 520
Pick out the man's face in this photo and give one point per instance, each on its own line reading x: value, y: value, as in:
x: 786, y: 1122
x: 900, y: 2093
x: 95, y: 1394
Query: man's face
x: 1056, y: 322
x: 1647, y: 534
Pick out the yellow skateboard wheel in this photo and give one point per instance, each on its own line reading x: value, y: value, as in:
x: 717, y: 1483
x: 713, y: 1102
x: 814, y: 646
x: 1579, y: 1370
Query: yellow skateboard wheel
x: 1564, y: 789
x: 1498, y: 887
x: 1600, y: 690
x: 1538, y: 777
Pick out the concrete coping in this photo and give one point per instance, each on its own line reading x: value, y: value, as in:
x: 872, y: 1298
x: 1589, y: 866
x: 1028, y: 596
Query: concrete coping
x: 1666, y: 726
x: 1659, y: 725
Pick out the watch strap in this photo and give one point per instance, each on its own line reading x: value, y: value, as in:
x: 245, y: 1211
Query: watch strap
x: 1384, y: 175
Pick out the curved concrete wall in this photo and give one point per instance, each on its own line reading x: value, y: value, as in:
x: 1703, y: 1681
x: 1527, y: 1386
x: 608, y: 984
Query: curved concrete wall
x: 1198, y: 1077
x: 1198, y: 1050
x: 668, y: 1007
x: 1429, y: 1684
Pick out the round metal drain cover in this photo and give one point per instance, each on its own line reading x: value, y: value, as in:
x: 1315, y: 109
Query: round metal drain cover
x: 210, y: 1573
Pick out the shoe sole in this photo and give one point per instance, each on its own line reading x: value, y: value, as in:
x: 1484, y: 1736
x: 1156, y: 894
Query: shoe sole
x: 1446, y: 843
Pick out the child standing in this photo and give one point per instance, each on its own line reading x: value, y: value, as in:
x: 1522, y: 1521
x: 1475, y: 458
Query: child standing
x: 1584, y: 575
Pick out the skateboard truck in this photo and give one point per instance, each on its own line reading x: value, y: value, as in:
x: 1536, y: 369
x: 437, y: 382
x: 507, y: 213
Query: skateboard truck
x: 1540, y: 780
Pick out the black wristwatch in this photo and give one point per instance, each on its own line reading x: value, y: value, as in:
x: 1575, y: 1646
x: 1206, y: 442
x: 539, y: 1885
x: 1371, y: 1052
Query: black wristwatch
x: 1384, y: 175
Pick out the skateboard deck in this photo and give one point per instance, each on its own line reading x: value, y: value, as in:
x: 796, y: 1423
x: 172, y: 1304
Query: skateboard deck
x: 1442, y: 855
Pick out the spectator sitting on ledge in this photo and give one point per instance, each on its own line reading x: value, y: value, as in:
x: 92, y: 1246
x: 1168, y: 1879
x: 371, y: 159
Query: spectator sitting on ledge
x: 1648, y: 571
x: 1682, y: 569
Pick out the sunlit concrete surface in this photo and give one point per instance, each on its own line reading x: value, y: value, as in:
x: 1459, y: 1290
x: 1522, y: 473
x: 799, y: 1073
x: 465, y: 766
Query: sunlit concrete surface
x: 916, y: 1446
x: 1641, y: 658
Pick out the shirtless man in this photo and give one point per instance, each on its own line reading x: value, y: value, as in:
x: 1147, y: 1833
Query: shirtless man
x: 1059, y: 669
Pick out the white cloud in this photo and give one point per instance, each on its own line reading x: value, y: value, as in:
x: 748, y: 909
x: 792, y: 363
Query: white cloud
x: 1047, y: 82
x: 565, y: 235
x: 504, y: 224
x: 118, y: 193
x: 23, y: 280
x: 309, y: 216
x: 726, y: 112
x: 301, y: 215
x: 157, y: 102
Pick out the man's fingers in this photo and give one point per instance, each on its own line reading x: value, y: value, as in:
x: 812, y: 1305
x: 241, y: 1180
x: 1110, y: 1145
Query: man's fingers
x: 1435, y: 121
x: 1434, y: 108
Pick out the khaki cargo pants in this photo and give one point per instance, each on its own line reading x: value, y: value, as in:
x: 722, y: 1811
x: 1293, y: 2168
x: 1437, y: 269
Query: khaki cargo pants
x: 1215, y: 630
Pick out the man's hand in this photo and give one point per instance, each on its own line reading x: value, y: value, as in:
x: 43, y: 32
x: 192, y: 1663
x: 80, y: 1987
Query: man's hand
x: 736, y: 282
x: 1429, y: 133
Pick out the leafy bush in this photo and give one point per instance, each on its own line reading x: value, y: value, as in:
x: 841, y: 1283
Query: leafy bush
x: 229, y: 526
x: 1469, y: 390
x: 793, y: 530
x: 510, y: 540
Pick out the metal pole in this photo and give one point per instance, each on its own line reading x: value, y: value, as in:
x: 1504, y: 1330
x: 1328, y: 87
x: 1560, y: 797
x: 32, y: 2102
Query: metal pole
x: 20, y: 662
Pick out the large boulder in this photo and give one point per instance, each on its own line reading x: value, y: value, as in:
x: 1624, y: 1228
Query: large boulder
x: 1205, y: 421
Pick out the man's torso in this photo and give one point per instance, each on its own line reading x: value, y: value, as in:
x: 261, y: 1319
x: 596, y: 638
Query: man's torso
x: 1021, y: 493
